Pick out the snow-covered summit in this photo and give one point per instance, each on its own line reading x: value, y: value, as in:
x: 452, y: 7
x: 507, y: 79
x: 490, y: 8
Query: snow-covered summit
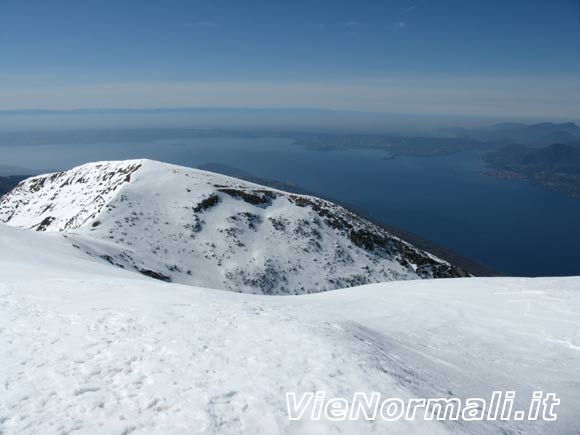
x: 196, y: 227
x: 67, y: 200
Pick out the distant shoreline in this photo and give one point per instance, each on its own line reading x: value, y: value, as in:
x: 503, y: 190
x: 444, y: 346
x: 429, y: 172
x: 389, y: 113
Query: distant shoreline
x: 505, y: 174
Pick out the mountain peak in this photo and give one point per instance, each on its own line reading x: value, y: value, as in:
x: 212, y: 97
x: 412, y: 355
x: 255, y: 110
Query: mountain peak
x: 196, y: 227
x: 69, y: 199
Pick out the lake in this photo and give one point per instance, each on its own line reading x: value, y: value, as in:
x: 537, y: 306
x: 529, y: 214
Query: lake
x: 513, y: 226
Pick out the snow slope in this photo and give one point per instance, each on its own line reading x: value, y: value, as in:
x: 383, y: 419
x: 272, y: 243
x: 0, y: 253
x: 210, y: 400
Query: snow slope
x: 199, y: 228
x: 88, y: 348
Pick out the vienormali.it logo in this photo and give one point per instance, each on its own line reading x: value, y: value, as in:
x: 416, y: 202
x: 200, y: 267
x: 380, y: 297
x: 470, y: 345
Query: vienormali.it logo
x: 372, y: 406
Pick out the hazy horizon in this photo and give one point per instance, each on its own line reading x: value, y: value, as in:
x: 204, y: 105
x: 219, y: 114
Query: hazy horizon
x: 446, y: 60
x: 266, y: 119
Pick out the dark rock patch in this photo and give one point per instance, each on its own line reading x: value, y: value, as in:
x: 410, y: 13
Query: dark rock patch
x: 254, y: 197
x: 42, y: 226
x: 207, y: 203
x: 154, y: 275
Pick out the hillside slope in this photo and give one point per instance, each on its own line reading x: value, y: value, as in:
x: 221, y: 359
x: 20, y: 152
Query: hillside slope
x: 89, y: 348
x: 195, y: 227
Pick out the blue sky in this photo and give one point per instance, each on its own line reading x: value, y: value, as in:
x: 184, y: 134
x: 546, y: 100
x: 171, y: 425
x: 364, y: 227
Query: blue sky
x: 488, y: 57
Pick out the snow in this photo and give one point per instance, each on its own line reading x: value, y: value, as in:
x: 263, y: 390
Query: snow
x: 199, y: 228
x: 89, y: 348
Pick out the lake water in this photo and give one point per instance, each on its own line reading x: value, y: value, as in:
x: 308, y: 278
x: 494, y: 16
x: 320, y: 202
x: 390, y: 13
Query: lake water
x: 510, y: 225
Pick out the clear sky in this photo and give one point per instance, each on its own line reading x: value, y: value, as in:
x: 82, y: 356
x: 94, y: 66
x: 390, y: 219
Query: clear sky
x: 486, y: 57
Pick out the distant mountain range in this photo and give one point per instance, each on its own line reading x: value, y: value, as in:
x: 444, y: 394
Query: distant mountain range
x: 536, y: 135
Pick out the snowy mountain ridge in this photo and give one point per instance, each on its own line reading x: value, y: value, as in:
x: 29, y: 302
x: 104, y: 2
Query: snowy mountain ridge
x: 199, y: 228
x: 71, y: 199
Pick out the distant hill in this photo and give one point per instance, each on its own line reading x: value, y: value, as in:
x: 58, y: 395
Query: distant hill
x: 556, y: 166
x: 558, y: 156
x: 536, y: 135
